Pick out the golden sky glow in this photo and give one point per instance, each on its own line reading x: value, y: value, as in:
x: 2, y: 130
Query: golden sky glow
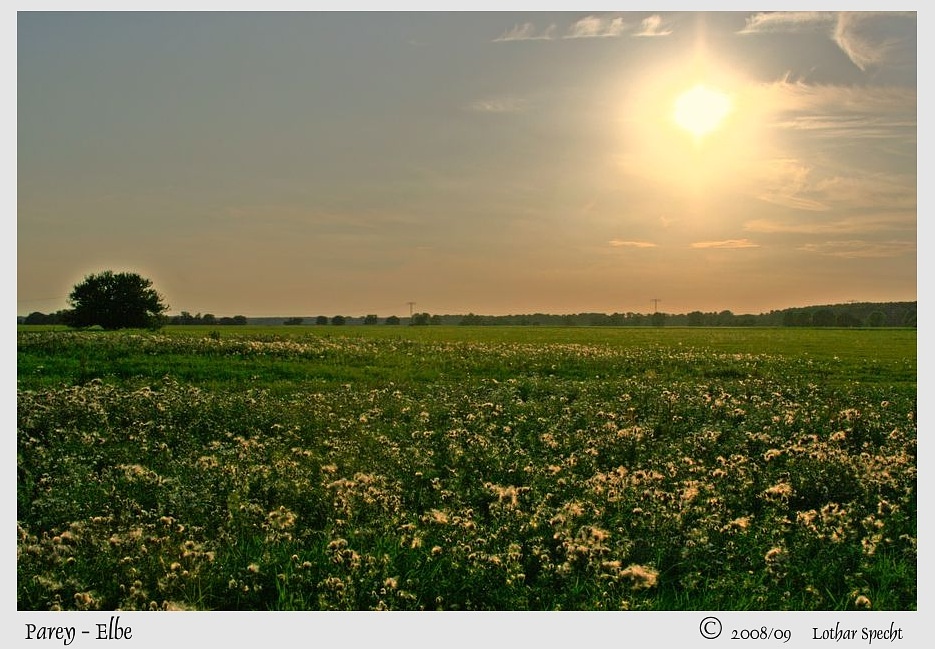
x: 487, y: 162
x: 700, y: 109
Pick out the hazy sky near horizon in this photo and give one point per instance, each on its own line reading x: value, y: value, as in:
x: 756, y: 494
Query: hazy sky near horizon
x: 487, y: 162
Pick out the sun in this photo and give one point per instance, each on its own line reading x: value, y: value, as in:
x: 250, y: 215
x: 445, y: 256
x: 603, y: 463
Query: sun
x: 700, y: 131
x: 701, y: 110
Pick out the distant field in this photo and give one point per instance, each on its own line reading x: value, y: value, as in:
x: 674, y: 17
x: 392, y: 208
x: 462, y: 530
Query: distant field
x: 444, y: 467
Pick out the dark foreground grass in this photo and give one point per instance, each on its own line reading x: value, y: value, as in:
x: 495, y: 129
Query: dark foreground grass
x: 467, y: 468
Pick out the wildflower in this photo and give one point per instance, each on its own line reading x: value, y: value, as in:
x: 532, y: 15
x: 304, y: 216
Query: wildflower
x: 688, y: 494
x: 807, y: 518
x: 832, y: 512
x: 850, y: 414
x: 438, y: 516
x: 84, y: 601
x: 773, y: 555
x: 884, y: 508
x: 640, y: 576
x: 780, y: 490
x: 334, y: 583
x: 174, y: 606
x: 738, y: 524
x: 281, y: 519
x: 508, y: 496
x: 869, y: 544
x: 862, y: 601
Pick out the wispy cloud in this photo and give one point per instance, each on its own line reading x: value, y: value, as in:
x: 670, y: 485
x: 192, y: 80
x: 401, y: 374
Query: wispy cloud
x: 653, y: 26
x: 791, y: 183
x: 726, y: 244
x: 596, y: 27
x: 797, y: 94
x: 786, y: 182
x: 858, y: 249
x: 869, y: 191
x: 860, y: 49
x: 500, y: 105
x: 527, y: 32
x: 844, y: 112
x: 618, y: 243
x: 851, y: 126
x: 850, y: 31
x: 587, y: 27
x: 787, y: 21
x: 790, y: 199
x: 851, y: 226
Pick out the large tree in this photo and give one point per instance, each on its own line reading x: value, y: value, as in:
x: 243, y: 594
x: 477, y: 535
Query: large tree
x: 115, y: 301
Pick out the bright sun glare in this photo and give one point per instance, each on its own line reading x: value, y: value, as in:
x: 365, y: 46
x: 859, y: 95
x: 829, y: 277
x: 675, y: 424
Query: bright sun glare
x: 701, y: 110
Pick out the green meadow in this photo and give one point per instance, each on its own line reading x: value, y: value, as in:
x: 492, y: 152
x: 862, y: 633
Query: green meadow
x: 466, y: 468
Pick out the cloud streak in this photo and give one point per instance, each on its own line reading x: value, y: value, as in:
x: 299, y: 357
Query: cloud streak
x: 797, y: 95
x: 836, y: 126
x: 653, y: 26
x: 850, y: 31
x: 587, y: 27
x: 859, y: 48
x: 859, y: 249
x: 726, y: 244
x: 526, y: 32
x: 787, y: 21
x: 874, y: 223
x: 786, y: 182
x: 618, y: 243
x: 596, y: 27
x: 791, y: 183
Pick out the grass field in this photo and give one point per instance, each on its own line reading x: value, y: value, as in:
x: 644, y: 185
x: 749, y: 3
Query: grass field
x: 498, y: 468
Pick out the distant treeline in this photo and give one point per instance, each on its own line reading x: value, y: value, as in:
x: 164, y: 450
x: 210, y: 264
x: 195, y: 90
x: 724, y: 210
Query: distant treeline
x: 852, y: 314
x: 185, y: 318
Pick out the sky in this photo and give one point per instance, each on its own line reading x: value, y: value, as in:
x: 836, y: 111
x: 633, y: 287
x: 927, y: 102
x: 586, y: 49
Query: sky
x: 310, y: 163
